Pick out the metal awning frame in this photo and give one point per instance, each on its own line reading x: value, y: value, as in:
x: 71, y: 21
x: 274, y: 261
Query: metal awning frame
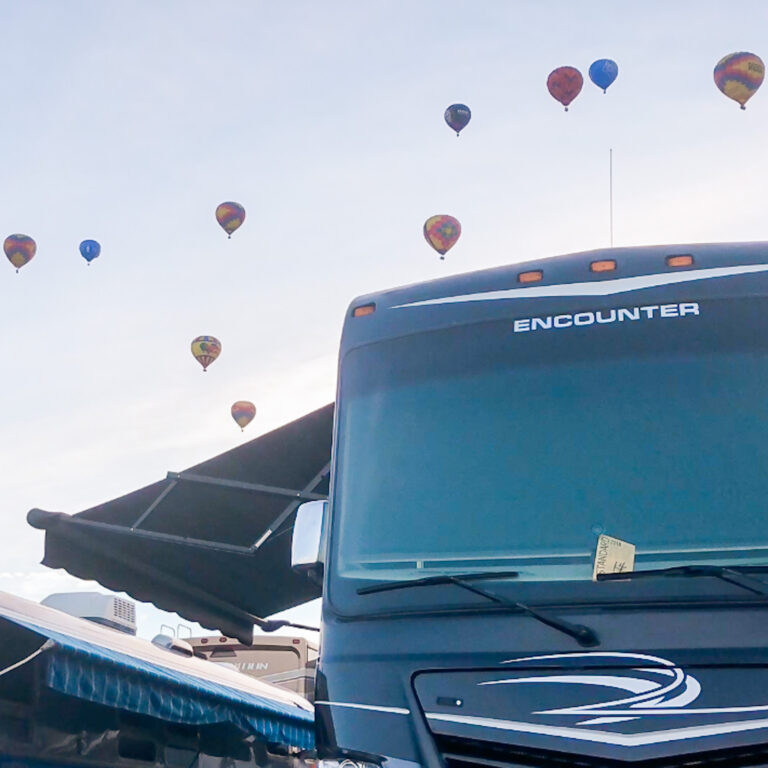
x: 305, y: 494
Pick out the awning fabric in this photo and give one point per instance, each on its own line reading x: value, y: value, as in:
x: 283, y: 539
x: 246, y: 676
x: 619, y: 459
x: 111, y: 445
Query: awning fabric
x: 211, y: 543
x: 100, y: 665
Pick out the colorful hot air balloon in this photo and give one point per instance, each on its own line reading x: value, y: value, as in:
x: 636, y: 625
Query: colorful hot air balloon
x: 457, y: 116
x: 90, y: 250
x: 739, y: 75
x: 243, y: 412
x: 19, y: 249
x: 564, y: 83
x: 442, y: 232
x: 603, y: 72
x: 206, y: 349
x: 230, y: 217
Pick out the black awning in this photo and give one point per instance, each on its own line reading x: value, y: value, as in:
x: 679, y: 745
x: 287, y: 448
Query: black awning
x: 211, y: 543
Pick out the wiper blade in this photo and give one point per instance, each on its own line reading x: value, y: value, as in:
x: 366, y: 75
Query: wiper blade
x: 733, y: 575
x: 583, y: 634
x: 442, y: 578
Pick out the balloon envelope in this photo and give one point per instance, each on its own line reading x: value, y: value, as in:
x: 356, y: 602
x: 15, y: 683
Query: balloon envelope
x: 442, y: 232
x: 206, y: 349
x: 243, y: 412
x: 230, y: 217
x: 457, y: 116
x: 739, y: 75
x: 19, y: 249
x: 603, y: 72
x: 564, y: 84
x: 90, y: 250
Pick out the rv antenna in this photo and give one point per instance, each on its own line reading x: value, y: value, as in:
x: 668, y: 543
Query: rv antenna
x: 610, y: 190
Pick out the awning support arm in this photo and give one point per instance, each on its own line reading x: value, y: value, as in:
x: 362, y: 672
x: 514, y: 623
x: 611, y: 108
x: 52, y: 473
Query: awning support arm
x: 69, y: 520
x: 305, y: 493
x: 144, y: 515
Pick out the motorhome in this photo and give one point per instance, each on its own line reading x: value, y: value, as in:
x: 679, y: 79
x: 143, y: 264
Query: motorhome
x: 76, y: 692
x: 546, y: 541
x: 287, y: 662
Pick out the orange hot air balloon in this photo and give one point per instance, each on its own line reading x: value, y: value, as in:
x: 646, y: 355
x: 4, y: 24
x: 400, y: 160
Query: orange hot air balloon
x: 442, y: 232
x: 206, y: 349
x: 19, y: 249
x: 243, y: 412
x: 564, y: 84
x: 230, y: 217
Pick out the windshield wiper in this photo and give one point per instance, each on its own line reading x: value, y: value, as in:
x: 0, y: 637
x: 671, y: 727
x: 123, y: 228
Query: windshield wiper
x: 442, y: 578
x: 584, y: 635
x: 733, y: 575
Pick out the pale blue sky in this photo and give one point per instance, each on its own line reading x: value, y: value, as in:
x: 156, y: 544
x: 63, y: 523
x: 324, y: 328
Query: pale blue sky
x: 128, y: 122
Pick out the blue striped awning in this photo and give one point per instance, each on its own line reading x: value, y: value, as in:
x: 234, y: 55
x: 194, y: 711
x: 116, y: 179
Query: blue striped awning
x: 114, y: 677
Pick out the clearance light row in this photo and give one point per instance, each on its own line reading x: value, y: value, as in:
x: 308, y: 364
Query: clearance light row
x: 537, y: 275
x: 606, y: 265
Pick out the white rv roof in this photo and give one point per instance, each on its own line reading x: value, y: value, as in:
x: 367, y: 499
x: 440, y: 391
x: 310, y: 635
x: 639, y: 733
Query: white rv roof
x: 33, y: 615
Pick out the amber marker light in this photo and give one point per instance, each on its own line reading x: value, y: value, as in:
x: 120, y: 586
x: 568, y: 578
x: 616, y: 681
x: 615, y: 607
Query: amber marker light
x: 534, y: 276
x: 363, y: 310
x: 604, y: 265
x: 680, y: 260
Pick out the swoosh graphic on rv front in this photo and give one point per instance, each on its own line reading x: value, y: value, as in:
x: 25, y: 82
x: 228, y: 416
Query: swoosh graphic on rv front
x: 594, y: 288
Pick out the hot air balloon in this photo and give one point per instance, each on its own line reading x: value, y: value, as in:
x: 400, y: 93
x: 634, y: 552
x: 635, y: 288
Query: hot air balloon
x: 457, y: 116
x: 19, y: 249
x: 564, y: 83
x: 206, y: 349
x: 603, y: 72
x: 442, y: 232
x: 90, y: 250
x: 230, y: 217
x: 243, y: 412
x: 739, y: 75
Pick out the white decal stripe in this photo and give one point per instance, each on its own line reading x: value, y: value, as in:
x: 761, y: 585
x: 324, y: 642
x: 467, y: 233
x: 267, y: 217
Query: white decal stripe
x: 659, y: 711
x: 594, y: 288
x: 604, y: 737
x: 593, y: 655
x: 633, y: 684
x: 371, y: 707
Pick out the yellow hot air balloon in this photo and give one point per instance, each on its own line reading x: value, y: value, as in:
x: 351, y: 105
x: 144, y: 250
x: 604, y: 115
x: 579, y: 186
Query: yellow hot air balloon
x: 206, y: 349
x: 243, y: 412
x: 739, y: 75
x: 442, y: 232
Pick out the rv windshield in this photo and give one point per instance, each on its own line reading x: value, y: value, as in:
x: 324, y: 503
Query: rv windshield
x: 477, y: 447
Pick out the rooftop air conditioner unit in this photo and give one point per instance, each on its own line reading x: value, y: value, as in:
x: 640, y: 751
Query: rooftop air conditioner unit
x: 107, y: 610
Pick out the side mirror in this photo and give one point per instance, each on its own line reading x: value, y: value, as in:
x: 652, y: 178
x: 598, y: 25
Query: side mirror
x: 307, y: 545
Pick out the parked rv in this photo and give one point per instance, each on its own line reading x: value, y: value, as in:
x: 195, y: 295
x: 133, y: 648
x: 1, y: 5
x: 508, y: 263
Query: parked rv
x: 74, y: 692
x: 287, y: 662
x: 546, y: 541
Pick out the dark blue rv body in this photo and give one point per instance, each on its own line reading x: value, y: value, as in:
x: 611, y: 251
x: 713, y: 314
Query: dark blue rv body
x: 625, y: 402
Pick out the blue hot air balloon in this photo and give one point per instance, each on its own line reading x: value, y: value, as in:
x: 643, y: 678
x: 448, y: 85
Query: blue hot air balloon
x: 89, y: 250
x: 603, y: 72
x: 457, y: 116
